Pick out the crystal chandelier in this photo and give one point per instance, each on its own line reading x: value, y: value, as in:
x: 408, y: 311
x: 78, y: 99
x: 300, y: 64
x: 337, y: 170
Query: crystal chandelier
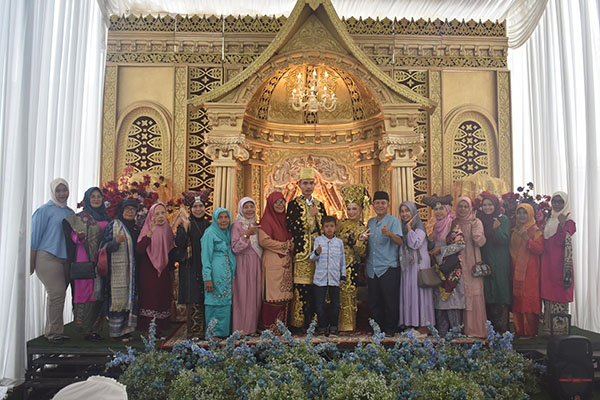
x: 314, y: 93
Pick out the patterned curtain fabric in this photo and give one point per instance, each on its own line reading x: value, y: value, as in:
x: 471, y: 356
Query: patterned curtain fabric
x: 522, y: 16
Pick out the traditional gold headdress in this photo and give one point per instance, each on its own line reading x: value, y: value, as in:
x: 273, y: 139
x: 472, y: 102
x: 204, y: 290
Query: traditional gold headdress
x: 306, y: 173
x: 357, y: 194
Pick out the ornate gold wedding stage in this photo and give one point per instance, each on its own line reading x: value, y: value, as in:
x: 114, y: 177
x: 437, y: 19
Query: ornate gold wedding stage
x: 205, y: 102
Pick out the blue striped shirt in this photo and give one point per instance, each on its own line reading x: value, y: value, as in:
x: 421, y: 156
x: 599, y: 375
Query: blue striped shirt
x: 330, y: 265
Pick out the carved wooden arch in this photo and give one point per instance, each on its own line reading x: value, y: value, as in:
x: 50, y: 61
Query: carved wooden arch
x: 488, y: 124
x: 374, y: 86
x: 163, y: 119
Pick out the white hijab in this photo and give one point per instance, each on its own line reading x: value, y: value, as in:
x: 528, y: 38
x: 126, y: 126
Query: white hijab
x: 552, y: 223
x: 53, y: 185
x: 246, y: 223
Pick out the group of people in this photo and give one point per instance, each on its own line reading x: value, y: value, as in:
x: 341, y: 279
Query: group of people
x: 241, y: 274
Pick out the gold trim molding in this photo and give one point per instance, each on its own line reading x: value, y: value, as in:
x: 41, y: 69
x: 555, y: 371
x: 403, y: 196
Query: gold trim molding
x: 504, y: 128
x: 109, y: 124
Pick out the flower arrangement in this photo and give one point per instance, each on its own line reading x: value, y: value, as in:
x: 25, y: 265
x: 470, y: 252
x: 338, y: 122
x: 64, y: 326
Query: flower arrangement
x: 511, y: 200
x: 146, y: 189
x: 280, y: 367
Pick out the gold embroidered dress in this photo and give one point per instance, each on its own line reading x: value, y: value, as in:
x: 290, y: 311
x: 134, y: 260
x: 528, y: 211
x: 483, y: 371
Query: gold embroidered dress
x: 354, y: 249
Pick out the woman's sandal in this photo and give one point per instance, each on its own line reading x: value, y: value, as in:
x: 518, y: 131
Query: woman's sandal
x: 94, y: 337
x: 124, y: 339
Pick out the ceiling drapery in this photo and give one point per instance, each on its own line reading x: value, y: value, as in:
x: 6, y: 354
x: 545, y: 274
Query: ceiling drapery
x: 522, y: 16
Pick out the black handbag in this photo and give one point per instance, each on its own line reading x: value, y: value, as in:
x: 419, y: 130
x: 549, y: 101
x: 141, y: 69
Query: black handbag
x: 83, y: 270
x: 449, y: 263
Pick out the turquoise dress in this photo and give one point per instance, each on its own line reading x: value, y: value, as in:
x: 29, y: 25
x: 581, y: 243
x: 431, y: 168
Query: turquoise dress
x: 218, y: 266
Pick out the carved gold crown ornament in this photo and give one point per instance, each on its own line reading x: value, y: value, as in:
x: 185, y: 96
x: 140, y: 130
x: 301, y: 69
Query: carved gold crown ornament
x: 314, y: 92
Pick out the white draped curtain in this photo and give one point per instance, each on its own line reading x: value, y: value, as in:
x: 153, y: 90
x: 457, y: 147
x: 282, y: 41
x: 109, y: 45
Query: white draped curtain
x: 556, y: 111
x: 521, y: 15
x: 51, y: 73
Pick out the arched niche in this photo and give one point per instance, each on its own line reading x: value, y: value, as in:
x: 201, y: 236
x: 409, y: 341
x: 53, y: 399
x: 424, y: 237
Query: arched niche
x: 470, y: 144
x: 144, y: 139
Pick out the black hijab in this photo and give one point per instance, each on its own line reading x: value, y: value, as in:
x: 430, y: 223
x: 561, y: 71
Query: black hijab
x: 130, y: 225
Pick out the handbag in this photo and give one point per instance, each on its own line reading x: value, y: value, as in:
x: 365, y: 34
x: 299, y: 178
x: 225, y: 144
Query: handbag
x: 102, y: 262
x: 428, y: 278
x: 82, y: 270
x: 449, y: 263
x: 480, y: 269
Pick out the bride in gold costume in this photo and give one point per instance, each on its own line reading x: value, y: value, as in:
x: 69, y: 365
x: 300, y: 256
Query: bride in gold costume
x: 353, y: 233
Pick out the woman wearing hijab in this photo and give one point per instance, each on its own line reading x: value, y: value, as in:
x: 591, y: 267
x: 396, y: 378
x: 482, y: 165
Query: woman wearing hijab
x: 353, y: 233
x: 416, y: 303
x: 49, y: 256
x: 472, y: 229
x: 448, y: 241
x: 246, y: 281
x: 495, y: 254
x: 83, y: 234
x: 277, y: 245
x: 557, y: 264
x: 218, y: 269
x: 121, y: 294
x: 526, y: 246
x: 187, y: 240
x: 153, y: 249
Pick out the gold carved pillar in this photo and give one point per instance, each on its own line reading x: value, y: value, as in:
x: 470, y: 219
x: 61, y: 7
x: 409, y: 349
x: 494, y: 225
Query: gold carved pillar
x: 400, y: 146
x: 227, y: 147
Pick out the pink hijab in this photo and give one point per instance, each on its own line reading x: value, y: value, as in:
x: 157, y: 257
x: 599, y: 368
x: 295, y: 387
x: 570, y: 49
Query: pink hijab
x: 465, y: 222
x: 161, y: 241
x: 442, y: 227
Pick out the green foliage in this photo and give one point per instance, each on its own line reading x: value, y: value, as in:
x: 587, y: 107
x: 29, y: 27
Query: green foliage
x: 283, y: 367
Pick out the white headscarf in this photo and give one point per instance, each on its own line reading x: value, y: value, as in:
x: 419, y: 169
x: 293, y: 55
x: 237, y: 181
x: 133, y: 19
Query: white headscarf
x: 246, y: 223
x: 53, y: 185
x: 552, y: 223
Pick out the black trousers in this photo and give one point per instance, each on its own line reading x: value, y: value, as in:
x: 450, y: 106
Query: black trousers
x: 383, y: 299
x: 319, y: 295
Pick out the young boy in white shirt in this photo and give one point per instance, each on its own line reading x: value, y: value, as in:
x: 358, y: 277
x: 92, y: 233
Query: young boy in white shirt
x: 330, y: 275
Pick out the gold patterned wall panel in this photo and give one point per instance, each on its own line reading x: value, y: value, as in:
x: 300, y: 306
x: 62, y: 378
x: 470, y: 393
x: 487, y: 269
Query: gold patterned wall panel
x: 504, y: 128
x: 200, y: 174
x: 469, y: 148
x: 144, y: 142
x: 109, y: 125
x: 436, y: 153
x: 418, y: 82
x: 180, y: 133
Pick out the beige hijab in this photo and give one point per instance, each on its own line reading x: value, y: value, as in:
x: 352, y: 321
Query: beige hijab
x: 53, y: 185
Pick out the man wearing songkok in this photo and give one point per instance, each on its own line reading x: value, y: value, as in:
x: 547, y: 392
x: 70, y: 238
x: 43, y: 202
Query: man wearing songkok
x: 382, y: 265
x: 303, y: 218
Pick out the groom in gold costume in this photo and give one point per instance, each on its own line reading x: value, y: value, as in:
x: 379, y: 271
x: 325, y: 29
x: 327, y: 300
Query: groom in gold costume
x: 303, y: 218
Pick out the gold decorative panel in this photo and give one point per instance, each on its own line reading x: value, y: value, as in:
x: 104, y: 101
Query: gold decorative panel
x: 470, y: 148
x: 144, y: 142
x: 200, y: 174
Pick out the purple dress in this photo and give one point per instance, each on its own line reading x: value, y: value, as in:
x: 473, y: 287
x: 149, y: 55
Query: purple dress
x: 416, y: 304
x: 246, y: 282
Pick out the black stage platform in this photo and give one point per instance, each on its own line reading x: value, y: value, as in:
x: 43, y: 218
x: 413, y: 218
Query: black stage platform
x: 51, y: 367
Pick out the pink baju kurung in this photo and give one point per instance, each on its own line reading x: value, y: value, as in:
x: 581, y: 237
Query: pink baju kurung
x: 246, y: 282
x: 553, y: 261
x: 83, y: 289
x: 474, y: 314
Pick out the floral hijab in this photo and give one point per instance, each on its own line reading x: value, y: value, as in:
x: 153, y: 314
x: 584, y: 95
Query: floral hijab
x: 247, y: 222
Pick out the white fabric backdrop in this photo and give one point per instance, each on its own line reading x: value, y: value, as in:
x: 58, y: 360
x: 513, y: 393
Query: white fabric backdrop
x: 556, y: 106
x: 521, y: 15
x: 51, y: 74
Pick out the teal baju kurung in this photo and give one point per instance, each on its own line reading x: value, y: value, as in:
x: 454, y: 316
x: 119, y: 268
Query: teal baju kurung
x: 495, y: 253
x: 218, y: 266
